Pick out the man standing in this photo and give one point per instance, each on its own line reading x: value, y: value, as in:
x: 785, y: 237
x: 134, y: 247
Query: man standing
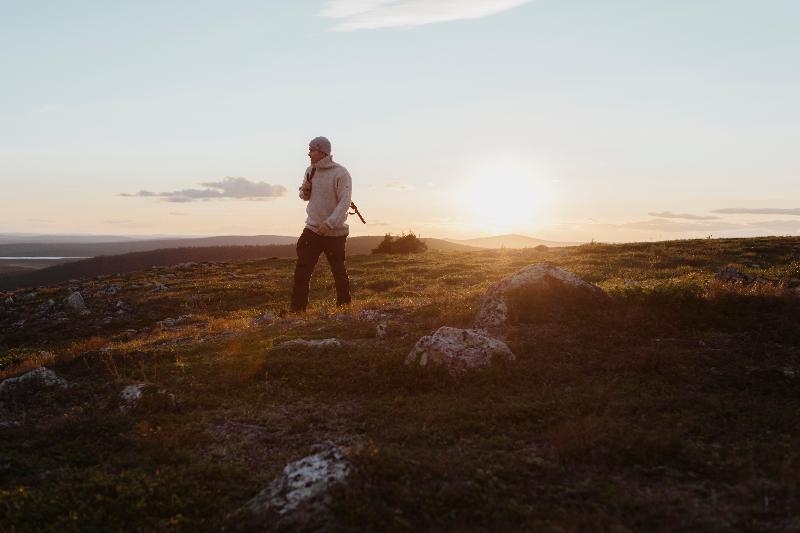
x: 327, y: 189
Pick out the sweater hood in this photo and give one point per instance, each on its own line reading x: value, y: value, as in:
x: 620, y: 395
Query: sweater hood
x: 325, y: 162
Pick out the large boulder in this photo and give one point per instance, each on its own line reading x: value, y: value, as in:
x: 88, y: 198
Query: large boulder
x: 298, y: 498
x: 537, y: 280
x: 458, y: 350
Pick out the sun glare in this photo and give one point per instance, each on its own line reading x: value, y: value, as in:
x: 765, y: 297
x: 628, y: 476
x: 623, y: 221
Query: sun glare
x: 505, y: 196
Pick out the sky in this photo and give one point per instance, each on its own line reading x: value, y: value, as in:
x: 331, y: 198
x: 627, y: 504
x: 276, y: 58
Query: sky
x: 621, y: 120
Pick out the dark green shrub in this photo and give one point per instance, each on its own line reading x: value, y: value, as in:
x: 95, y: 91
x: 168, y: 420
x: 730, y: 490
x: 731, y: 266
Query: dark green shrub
x: 405, y: 244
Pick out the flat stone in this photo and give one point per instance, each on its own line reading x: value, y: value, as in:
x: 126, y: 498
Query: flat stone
x: 314, y: 343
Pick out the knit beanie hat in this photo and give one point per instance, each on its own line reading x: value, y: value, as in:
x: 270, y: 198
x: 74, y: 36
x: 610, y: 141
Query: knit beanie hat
x: 322, y: 144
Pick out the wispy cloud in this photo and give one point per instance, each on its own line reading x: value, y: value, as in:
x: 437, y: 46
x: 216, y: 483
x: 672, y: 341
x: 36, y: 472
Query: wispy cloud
x: 685, y: 216
x: 399, y: 186
x: 127, y: 224
x: 757, y: 211
x: 370, y: 14
x: 233, y: 188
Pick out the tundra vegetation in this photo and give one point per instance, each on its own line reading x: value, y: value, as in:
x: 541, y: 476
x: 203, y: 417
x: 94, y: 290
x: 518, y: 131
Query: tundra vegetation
x: 672, y: 406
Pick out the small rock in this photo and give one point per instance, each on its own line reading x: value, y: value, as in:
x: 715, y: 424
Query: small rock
x: 110, y: 290
x: 314, y: 343
x: 299, y: 497
x: 266, y: 318
x: 372, y: 315
x: 731, y: 274
x: 28, y: 297
x: 159, y: 287
x: 9, y: 300
x: 133, y: 394
x: 169, y: 323
x: 458, y: 349
x: 75, y: 303
x: 46, y: 306
x: 381, y: 330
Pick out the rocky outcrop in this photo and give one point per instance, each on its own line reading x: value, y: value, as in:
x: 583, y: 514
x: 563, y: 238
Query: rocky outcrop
x: 41, y: 377
x: 458, y: 350
x: 492, y: 316
x: 298, y: 498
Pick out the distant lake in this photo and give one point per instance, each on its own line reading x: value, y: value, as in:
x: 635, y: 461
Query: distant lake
x: 39, y: 258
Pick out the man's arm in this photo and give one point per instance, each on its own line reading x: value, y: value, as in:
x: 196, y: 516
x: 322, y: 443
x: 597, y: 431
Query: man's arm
x: 344, y: 192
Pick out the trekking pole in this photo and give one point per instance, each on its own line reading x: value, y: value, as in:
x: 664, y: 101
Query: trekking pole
x: 357, y: 212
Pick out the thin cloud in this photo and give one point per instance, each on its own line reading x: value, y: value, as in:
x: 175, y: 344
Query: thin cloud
x: 685, y: 216
x: 127, y: 224
x: 231, y: 188
x: 399, y: 186
x: 371, y: 14
x: 757, y: 211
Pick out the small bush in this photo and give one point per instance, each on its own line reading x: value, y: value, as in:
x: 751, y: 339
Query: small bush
x: 405, y: 244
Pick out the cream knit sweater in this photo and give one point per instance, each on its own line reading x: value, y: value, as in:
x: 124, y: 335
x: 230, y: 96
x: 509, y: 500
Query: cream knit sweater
x: 331, y: 189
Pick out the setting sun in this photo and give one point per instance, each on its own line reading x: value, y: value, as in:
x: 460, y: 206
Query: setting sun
x: 508, y: 194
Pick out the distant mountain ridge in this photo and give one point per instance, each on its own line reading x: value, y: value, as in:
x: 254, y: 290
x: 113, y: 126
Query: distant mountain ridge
x: 511, y: 241
x: 91, y: 249
x: 129, y: 262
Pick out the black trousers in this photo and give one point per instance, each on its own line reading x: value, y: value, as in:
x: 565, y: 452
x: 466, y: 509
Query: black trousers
x: 309, y: 246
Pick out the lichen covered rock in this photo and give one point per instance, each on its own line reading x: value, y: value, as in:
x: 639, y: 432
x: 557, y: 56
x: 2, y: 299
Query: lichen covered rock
x: 458, y: 350
x: 299, y: 497
x: 493, y: 314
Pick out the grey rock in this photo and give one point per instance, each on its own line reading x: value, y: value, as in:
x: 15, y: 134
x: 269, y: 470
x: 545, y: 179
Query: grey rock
x: 74, y: 302
x: 133, y: 394
x: 299, y: 497
x: 373, y: 315
x: 266, y: 318
x: 170, y: 323
x: 42, y: 376
x: 731, y: 274
x: 492, y: 315
x: 458, y: 350
x: 314, y: 343
x: 381, y: 330
x: 110, y: 290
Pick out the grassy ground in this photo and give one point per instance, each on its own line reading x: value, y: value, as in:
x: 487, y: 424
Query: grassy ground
x: 672, y: 407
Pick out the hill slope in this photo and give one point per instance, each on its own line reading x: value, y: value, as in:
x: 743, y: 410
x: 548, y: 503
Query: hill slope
x: 672, y: 407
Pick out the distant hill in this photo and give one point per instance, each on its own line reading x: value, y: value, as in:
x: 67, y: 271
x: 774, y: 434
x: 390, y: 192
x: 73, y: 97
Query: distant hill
x: 91, y: 249
x: 130, y: 262
x: 510, y: 241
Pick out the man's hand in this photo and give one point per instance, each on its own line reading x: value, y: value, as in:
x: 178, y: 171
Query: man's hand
x: 324, y: 229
